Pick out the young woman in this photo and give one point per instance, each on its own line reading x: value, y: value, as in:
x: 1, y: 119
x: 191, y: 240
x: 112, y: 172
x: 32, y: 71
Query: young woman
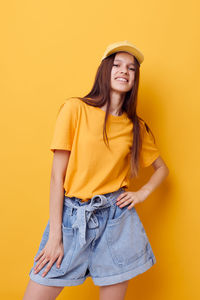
x: 99, y: 144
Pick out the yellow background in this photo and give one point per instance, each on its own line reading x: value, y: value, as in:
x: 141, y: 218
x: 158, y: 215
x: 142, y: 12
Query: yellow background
x: 50, y: 50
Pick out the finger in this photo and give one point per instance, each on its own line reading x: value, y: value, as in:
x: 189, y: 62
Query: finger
x: 132, y: 205
x: 41, y: 265
x: 48, y: 267
x: 121, y: 196
x: 40, y: 261
x: 125, y: 203
x: 39, y: 255
x: 126, y: 197
x: 59, y: 261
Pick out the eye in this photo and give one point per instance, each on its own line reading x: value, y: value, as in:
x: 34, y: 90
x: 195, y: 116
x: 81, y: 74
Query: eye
x: 133, y: 69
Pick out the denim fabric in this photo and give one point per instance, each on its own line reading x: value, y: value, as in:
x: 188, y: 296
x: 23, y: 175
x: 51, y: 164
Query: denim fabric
x: 100, y: 240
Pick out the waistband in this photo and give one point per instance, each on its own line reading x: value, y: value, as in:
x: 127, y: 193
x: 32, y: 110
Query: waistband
x: 85, y: 210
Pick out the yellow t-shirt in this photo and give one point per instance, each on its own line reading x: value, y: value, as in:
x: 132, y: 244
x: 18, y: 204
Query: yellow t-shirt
x: 93, y: 168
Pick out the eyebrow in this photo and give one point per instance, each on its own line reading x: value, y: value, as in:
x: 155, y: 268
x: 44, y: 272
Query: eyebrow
x: 121, y: 60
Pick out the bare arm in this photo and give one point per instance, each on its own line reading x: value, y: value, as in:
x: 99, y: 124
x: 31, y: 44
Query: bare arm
x: 161, y: 172
x: 53, y: 249
x: 59, y: 166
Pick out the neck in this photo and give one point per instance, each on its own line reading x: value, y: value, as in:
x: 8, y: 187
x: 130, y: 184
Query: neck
x: 117, y: 100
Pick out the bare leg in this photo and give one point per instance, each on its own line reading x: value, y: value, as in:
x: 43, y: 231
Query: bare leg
x: 114, y: 291
x: 36, y: 291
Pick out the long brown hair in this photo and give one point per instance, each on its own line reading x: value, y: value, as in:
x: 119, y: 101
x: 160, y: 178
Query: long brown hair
x: 100, y: 94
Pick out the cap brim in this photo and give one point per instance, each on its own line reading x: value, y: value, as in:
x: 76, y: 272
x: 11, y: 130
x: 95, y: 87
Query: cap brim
x: 132, y: 50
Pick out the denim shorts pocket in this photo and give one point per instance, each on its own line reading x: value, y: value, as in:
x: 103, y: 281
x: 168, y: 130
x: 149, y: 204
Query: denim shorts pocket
x: 118, y: 214
x: 69, y: 217
x: 126, y: 238
x: 68, y: 245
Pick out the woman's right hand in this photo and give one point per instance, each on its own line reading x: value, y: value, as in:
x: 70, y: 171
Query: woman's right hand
x: 52, y: 251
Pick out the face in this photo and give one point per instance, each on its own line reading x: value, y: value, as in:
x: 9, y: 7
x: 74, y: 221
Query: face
x: 123, y: 72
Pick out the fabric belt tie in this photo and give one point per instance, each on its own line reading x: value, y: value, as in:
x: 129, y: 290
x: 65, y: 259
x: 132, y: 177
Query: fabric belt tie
x: 85, y: 214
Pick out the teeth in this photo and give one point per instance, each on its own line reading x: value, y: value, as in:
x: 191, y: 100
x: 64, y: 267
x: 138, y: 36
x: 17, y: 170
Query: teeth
x: 122, y: 79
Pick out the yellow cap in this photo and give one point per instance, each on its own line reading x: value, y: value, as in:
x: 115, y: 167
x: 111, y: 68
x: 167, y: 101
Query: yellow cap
x: 124, y: 46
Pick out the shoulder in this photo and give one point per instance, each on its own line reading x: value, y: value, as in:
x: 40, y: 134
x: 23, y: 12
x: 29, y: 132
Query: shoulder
x: 145, y: 129
x: 142, y: 125
x: 70, y: 104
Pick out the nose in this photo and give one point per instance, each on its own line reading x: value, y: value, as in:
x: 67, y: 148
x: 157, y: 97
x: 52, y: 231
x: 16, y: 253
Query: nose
x: 123, y: 70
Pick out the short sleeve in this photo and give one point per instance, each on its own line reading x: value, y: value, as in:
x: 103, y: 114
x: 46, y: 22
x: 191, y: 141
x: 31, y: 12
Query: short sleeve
x: 65, y: 126
x: 149, y: 151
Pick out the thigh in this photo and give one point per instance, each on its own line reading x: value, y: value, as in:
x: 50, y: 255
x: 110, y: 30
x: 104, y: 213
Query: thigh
x: 36, y: 291
x: 114, y: 291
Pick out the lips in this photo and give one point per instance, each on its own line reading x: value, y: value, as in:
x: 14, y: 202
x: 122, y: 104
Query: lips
x: 122, y: 78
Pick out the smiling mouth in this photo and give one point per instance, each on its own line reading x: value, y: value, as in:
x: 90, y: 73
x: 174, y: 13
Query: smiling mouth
x: 121, y: 79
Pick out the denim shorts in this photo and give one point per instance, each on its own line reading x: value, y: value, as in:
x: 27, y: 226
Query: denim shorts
x: 100, y: 240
